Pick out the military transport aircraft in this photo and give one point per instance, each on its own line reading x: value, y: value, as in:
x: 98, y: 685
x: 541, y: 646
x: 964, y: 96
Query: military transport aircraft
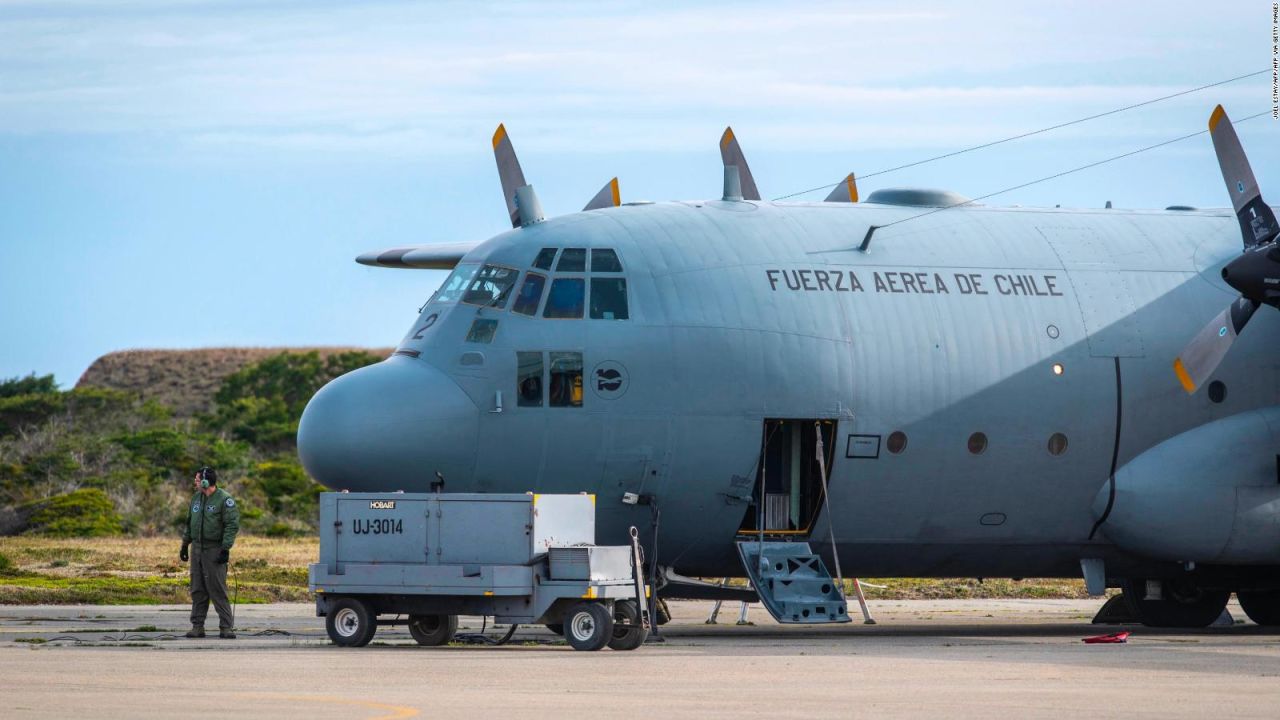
x: 986, y: 391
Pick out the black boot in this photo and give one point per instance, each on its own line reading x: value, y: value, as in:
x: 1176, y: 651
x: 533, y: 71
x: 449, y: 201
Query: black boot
x: 227, y: 634
x: 195, y: 632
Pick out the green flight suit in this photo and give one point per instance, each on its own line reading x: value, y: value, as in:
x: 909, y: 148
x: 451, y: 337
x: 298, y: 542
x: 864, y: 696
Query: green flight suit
x: 212, y: 524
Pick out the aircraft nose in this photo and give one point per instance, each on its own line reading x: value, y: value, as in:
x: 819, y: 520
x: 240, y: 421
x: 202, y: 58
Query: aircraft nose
x: 389, y: 426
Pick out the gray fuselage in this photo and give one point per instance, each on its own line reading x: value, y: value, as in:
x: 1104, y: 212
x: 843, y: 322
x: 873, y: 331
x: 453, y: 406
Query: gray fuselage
x: 1016, y: 323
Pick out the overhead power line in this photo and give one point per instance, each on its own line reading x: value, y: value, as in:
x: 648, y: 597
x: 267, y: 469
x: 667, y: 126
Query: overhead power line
x: 1011, y: 138
x: 1054, y: 176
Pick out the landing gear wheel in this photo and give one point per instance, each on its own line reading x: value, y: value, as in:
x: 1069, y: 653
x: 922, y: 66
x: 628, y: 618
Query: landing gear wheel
x: 350, y: 623
x: 588, y: 626
x: 1182, y: 604
x: 1262, y: 606
x: 432, y: 630
x: 628, y: 633
x: 557, y: 628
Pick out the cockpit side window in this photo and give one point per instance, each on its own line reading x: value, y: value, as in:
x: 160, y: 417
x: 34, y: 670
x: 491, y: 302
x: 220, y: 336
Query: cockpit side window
x: 530, y: 294
x: 565, y: 299
x: 491, y: 287
x: 605, y: 260
x: 608, y: 298
x: 566, y: 379
x: 573, y: 260
x: 544, y: 259
x: 529, y: 379
x: 453, y: 285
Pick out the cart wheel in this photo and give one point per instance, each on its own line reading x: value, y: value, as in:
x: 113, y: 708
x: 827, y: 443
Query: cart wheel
x: 588, y: 626
x: 433, y: 629
x: 350, y: 623
x: 557, y: 628
x: 628, y: 633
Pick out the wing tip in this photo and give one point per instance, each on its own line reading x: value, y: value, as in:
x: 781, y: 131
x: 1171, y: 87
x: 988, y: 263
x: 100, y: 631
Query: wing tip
x: 498, y: 134
x: 1218, y: 114
x: 1183, y: 376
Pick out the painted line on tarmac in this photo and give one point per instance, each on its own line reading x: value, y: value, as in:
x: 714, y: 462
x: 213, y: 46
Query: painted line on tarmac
x: 393, y: 712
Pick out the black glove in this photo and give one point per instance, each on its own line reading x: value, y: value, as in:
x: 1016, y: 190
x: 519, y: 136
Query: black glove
x: 183, y: 555
x: 224, y: 555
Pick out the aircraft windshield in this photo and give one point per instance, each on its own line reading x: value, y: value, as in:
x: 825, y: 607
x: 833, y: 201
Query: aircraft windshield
x: 491, y: 287
x: 457, y: 281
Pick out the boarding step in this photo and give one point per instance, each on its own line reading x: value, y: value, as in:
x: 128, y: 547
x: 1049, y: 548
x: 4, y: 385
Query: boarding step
x: 793, y: 582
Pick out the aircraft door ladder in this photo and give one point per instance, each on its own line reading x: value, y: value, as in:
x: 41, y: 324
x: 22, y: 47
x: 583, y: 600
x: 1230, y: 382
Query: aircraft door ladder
x: 791, y: 579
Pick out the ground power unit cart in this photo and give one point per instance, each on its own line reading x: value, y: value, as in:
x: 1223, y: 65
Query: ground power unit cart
x: 423, y: 559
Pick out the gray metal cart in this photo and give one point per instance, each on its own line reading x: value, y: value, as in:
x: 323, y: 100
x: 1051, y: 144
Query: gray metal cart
x: 430, y: 557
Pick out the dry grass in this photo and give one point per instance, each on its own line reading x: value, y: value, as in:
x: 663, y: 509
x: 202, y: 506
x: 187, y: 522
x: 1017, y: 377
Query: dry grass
x: 184, y: 380
x: 145, y: 570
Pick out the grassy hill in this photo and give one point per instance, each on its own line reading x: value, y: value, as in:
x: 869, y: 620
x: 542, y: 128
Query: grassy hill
x: 184, y: 381
x: 115, y: 455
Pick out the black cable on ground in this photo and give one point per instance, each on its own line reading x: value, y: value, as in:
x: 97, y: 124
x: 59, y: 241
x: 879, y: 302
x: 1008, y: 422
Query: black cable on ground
x: 481, y: 639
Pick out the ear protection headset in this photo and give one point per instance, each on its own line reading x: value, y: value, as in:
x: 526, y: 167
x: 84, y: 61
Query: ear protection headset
x: 204, y: 477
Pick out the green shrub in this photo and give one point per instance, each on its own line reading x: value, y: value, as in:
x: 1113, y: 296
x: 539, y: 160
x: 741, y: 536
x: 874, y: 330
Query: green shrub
x: 262, y: 402
x: 29, y: 385
x: 82, y: 513
x: 6, y: 565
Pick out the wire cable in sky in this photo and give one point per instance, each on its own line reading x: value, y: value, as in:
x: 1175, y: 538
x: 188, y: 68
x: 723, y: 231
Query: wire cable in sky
x: 1054, y: 176
x: 1029, y: 134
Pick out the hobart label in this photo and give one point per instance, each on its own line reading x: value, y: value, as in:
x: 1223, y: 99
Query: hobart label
x: 382, y: 504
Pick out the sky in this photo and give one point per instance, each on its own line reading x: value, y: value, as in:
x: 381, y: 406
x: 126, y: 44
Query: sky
x: 190, y: 173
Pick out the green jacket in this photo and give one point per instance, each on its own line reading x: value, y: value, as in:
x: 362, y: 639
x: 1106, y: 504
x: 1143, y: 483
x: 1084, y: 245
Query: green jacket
x: 212, y: 520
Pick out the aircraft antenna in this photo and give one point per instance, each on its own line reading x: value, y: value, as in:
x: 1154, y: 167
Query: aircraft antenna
x: 1011, y: 138
x: 1056, y: 175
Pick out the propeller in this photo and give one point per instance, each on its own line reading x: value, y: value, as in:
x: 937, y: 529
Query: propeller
x: 607, y: 197
x: 1255, y: 273
x: 731, y: 155
x: 845, y: 191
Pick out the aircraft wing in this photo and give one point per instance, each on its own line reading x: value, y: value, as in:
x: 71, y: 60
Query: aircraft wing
x: 442, y: 256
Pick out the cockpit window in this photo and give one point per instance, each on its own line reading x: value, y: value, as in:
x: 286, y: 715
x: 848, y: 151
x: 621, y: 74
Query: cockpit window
x: 491, y: 287
x: 545, y: 256
x: 529, y: 379
x: 605, y: 261
x: 573, y: 260
x: 608, y: 298
x: 530, y: 294
x: 457, y: 281
x: 482, y: 330
x: 565, y: 299
x: 566, y: 379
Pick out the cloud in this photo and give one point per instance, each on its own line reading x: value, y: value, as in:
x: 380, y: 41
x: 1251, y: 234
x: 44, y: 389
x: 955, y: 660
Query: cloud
x: 401, y: 77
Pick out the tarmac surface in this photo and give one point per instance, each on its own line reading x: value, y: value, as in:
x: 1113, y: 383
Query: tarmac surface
x: 944, y: 658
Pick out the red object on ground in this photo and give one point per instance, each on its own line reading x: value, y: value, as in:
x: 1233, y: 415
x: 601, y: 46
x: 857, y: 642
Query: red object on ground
x: 1119, y: 637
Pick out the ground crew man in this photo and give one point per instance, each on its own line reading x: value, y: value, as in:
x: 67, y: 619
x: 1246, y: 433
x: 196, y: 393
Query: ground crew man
x: 212, y: 523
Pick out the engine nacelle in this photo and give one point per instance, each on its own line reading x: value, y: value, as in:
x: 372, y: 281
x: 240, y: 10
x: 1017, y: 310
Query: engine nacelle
x: 1209, y: 495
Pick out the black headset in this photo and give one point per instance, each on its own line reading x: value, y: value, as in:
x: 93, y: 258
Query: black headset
x: 205, y: 472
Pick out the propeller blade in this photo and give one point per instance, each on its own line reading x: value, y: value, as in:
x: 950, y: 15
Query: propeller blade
x: 846, y: 191
x: 1206, y: 350
x: 1257, y: 221
x: 731, y: 155
x: 509, y: 172
x: 607, y: 197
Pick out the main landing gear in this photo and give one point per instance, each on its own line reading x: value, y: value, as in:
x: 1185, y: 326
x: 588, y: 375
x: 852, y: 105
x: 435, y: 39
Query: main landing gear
x: 1173, y: 603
